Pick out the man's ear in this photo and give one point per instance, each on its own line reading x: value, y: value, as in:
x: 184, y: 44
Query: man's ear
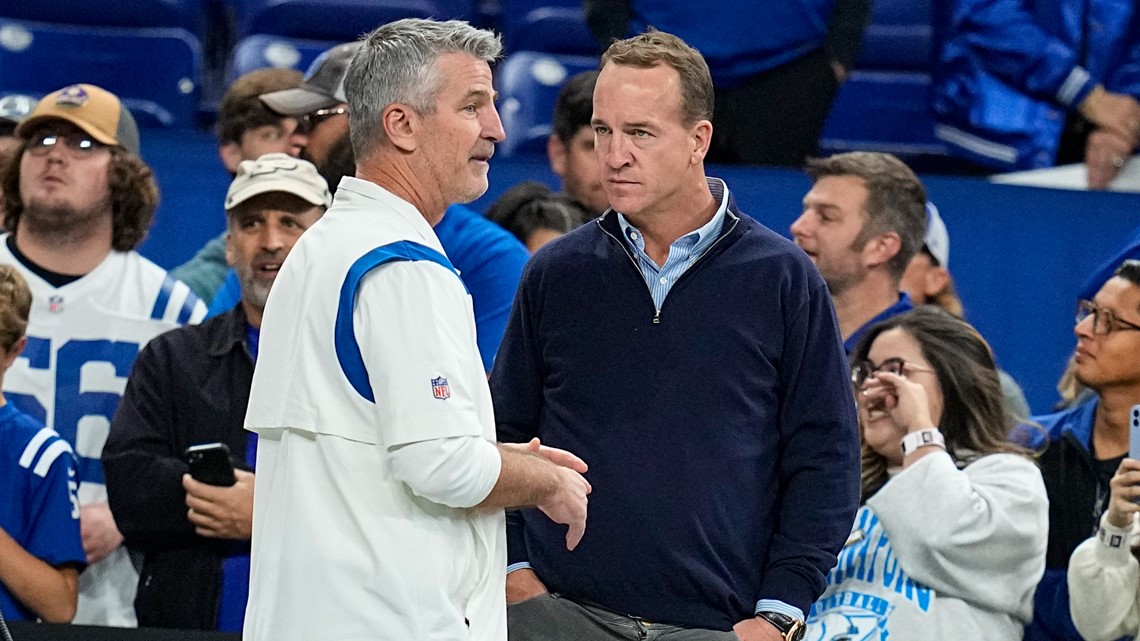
x: 881, y: 249
x: 701, y: 134
x: 230, y: 153
x: 231, y: 257
x: 556, y: 152
x: 402, y: 126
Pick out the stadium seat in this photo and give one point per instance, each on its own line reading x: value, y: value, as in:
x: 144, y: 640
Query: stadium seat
x: 182, y: 14
x: 154, y: 71
x: 885, y: 103
x: 337, y: 20
x: 260, y: 51
x: 528, y: 83
x: 548, y: 26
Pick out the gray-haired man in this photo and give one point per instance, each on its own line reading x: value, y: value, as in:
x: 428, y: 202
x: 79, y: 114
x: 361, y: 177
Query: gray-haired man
x: 372, y: 452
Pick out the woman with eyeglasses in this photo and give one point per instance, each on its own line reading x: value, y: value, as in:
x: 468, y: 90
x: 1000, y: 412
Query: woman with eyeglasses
x: 950, y: 541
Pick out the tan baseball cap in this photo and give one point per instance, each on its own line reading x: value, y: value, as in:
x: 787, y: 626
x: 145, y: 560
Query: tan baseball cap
x: 278, y: 172
x: 96, y: 111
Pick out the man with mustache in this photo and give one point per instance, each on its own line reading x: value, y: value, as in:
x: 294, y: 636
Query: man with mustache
x: 78, y: 200
x: 191, y: 386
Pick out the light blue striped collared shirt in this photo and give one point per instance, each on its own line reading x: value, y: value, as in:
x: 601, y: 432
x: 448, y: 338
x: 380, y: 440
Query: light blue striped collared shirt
x: 682, y: 253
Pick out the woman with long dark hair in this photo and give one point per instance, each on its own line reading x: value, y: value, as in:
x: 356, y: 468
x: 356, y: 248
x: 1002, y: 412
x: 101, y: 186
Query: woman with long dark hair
x: 950, y: 540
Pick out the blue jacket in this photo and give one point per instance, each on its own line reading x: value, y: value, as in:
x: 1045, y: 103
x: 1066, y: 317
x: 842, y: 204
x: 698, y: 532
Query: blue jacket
x: 1009, y: 71
x: 722, y: 440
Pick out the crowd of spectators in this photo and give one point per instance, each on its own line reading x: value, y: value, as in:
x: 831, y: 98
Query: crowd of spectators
x: 971, y: 519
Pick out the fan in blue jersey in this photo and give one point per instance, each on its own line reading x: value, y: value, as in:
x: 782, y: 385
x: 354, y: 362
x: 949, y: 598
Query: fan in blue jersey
x: 41, y: 553
x: 77, y: 201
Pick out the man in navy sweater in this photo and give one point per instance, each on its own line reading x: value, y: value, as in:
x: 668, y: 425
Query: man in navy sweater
x: 692, y: 357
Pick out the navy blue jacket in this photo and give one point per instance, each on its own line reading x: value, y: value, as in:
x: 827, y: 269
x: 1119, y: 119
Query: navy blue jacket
x: 721, y: 440
x: 1009, y: 71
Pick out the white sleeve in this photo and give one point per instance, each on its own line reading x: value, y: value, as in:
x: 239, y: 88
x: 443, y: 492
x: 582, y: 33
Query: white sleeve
x: 457, y: 472
x: 413, y: 323
x: 1104, y: 582
x: 956, y: 529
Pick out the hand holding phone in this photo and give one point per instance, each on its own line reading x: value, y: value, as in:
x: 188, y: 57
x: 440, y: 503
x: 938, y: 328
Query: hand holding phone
x: 210, y: 463
x: 1134, y: 438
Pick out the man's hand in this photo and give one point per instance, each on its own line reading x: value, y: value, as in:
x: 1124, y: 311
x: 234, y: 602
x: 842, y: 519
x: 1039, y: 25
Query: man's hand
x: 524, y: 585
x: 1117, y: 113
x: 840, y: 72
x: 1105, y: 156
x: 757, y: 629
x: 100, y: 534
x: 221, y: 512
x: 568, y: 504
x: 559, y: 457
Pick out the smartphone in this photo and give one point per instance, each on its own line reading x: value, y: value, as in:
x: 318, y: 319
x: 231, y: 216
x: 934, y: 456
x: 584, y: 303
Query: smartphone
x: 210, y: 464
x: 1134, y: 434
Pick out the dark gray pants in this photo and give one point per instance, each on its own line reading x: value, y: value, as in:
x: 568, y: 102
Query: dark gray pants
x: 553, y: 618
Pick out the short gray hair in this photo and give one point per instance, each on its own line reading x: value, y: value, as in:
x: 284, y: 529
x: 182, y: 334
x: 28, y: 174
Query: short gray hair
x: 396, y: 64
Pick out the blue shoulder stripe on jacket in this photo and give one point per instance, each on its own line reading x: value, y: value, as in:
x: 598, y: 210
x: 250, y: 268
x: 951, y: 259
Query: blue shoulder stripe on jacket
x: 344, y: 339
x: 163, y: 298
x: 188, y: 306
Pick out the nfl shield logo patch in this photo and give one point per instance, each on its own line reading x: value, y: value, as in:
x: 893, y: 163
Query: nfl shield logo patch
x: 55, y: 304
x: 440, y: 389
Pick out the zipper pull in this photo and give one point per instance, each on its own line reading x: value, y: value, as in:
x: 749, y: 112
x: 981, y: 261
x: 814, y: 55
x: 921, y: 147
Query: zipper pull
x: 657, y: 318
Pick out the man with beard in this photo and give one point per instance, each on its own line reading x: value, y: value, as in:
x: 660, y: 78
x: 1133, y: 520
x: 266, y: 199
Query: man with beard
x: 246, y: 131
x: 190, y: 386
x: 863, y: 220
x: 78, y: 200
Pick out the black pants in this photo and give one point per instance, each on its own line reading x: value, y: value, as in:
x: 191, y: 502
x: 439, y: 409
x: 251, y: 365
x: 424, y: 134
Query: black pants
x: 554, y: 618
x: 776, y: 117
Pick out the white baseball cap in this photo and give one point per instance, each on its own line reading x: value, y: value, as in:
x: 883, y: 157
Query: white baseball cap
x: 937, y: 240
x: 278, y: 172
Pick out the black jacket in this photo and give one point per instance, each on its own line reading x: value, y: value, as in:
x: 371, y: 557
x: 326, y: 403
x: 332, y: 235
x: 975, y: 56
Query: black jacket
x: 188, y: 386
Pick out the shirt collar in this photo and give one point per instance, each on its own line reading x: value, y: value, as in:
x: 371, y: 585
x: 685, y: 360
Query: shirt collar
x: 231, y: 332
x: 354, y: 193
x: 903, y: 305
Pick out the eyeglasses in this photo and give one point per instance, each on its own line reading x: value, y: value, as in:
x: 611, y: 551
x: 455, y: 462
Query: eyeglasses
x: 311, y: 120
x: 79, y: 143
x: 1104, y: 322
x: 862, y: 371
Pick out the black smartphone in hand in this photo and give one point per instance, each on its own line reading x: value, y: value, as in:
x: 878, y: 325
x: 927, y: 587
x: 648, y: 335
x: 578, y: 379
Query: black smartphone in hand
x: 210, y: 464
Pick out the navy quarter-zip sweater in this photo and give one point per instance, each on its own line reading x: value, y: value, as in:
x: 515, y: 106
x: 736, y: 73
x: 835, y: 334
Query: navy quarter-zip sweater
x: 721, y: 439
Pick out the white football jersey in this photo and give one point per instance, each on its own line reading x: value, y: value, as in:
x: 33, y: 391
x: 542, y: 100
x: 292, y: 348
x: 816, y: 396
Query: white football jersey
x: 82, y: 341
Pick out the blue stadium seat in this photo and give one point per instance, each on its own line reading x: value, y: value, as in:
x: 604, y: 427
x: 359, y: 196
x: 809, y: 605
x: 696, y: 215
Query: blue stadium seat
x: 260, y: 51
x: 154, y: 71
x: 886, y: 111
x: 183, y: 14
x: 885, y: 103
x: 337, y: 20
x: 528, y: 84
x: 549, y: 26
x: 898, y: 36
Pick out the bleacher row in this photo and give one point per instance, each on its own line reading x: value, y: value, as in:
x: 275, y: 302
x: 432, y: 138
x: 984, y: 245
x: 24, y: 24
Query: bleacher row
x: 170, y: 60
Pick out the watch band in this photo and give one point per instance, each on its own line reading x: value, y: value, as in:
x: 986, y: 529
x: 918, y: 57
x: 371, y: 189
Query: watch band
x: 922, y: 438
x: 791, y: 627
